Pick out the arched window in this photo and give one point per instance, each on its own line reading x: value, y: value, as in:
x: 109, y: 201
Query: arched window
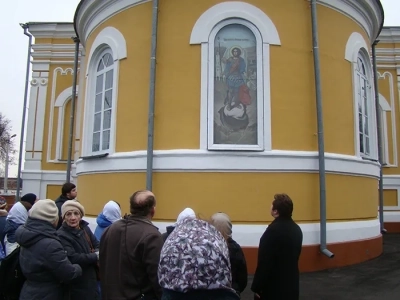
x: 103, y: 104
x: 365, y: 112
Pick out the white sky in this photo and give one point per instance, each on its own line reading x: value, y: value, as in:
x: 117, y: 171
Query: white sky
x: 14, y: 45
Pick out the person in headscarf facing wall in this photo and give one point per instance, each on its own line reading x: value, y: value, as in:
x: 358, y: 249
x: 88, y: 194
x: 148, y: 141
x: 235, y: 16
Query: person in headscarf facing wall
x: 82, y: 249
x: 222, y: 222
x: 3, y: 217
x: 194, y: 263
x: 110, y: 214
x: 16, y: 217
x: 43, y: 260
x: 186, y: 213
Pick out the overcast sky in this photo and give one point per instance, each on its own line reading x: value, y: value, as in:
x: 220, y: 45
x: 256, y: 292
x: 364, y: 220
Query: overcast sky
x: 14, y: 44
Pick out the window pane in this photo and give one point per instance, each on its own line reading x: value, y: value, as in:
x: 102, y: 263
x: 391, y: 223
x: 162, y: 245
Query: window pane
x: 366, y: 131
x: 106, y: 140
x: 107, y: 119
x: 97, y: 122
x: 97, y: 104
x: 108, y: 99
x: 367, y: 145
x: 96, y: 142
x: 109, y: 79
x: 109, y: 60
x: 360, y: 123
x: 361, y: 142
x: 100, y: 66
x: 99, y: 84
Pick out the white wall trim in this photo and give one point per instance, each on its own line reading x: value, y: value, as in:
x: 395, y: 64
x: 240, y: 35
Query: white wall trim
x: 92, y: 13
x: 63, y: 72
x: 337, y: 232
x: 391, y: 216
x: 112, y: 38
x: 392, y: 113
x: 211, y: 161
x: 234, y: 9
x: 61, y: 103
x: 36, y: 181
x: 353, y: 46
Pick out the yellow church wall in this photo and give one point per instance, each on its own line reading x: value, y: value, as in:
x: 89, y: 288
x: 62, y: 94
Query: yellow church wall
x: 62, y: 82
x: 177, y: 109
x: 390, y: 198
x: 246, y: 197
x: 53, y: 191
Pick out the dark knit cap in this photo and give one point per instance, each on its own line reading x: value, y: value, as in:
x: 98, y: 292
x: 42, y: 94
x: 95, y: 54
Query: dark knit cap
x: 30, y: 198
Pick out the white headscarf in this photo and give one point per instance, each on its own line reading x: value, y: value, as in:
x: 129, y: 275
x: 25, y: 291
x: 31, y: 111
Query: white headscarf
x: 18, y: 214
x: 186, y: 213
x: 112, y: 211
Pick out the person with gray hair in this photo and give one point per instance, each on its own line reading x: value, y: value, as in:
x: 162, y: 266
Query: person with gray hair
x: 222, y: 222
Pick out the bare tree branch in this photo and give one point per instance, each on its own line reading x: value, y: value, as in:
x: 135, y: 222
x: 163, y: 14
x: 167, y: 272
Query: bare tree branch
x: 5, y: 141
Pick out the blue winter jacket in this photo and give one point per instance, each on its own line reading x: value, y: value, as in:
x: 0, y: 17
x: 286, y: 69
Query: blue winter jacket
x: 102, y: 223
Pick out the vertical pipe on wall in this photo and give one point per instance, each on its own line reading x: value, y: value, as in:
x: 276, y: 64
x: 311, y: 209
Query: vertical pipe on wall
x: 150, y: 133
x: 22, y: 136
x: 320, y: 125
x: 72, y: 117
x: 379, y: 135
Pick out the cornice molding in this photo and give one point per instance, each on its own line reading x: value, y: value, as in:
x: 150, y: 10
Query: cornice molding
x: 92, y: 13
x: 52, y: 30
x: 367, y: 13
x: 390, y: 35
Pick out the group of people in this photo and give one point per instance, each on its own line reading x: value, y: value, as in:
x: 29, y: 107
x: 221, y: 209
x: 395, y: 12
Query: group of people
x: 128, y: 258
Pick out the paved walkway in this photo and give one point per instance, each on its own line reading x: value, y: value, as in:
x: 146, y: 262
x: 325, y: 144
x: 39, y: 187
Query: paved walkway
x: 377, y: 279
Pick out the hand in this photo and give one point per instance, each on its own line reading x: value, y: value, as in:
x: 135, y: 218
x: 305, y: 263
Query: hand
x: 257, y: 296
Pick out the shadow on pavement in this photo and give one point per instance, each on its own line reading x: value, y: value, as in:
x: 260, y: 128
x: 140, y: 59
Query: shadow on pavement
x: 377, y: 279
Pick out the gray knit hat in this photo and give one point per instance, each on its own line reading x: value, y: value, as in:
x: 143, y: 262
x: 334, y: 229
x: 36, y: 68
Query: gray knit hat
x: 45, y: 210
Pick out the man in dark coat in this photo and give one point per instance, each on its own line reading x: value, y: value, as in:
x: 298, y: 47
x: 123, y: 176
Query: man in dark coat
x: 130, y: 252
x: 68, y: 192
x: 277, y: 273
x: 42, y: 258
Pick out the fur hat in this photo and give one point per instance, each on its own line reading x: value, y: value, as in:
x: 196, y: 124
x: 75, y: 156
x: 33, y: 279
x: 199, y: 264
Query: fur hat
x: 70, y: 205
x: 45, y: 210
x: 223, y: 223
x: 30, y: 198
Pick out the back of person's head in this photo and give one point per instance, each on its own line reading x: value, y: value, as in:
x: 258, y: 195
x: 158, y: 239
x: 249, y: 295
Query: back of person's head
x: 29, y: 198
x: 112, y: 211
x: 186, y: 213
x: 67, y: 188
x: 283, y: 205
x: 45, y: 210
x: 142, y: 204
x: 223, y: 223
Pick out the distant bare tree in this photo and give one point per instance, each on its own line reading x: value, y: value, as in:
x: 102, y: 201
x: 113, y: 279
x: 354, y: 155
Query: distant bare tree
x: 5, y: 134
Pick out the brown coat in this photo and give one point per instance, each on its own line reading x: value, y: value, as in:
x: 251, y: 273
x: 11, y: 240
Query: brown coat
x: 129, y: 256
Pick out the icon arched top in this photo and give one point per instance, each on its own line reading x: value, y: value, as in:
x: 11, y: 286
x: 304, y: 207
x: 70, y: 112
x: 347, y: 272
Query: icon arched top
x: 112, y: 38
x: 64, y: 96
x: 234, y: 9
x: 355, y: 43
x: 384, y: 104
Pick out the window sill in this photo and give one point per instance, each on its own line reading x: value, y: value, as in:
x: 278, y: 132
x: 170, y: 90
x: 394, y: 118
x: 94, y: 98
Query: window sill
x: 370, y: 159
x: 97, y: 156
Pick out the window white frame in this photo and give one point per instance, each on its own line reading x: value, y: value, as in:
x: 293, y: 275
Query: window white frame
x: 232, y: 12
x: 356, y: 48
x: 384, y: 107
x: 109, y: 39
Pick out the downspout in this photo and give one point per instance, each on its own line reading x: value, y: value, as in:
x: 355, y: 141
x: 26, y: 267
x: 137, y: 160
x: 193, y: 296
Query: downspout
x: 73, y: 103
x: 22, y: 136
x: 320, y: 125
x: 379, y: 135
x: 150, y: 133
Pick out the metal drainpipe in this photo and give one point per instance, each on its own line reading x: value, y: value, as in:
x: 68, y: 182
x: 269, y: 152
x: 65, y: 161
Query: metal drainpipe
x: 379, y: 135
x: 22, y: 136
x: 320, y: 123
x: 150, y: 134
x: 73, y: 102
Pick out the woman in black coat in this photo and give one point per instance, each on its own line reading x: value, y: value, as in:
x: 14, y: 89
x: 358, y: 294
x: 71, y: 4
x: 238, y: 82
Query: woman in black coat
x: 82, y: 248
x: 42, y: 258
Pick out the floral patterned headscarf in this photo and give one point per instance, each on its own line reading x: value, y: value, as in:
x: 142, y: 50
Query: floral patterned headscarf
x: 194, y: 257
